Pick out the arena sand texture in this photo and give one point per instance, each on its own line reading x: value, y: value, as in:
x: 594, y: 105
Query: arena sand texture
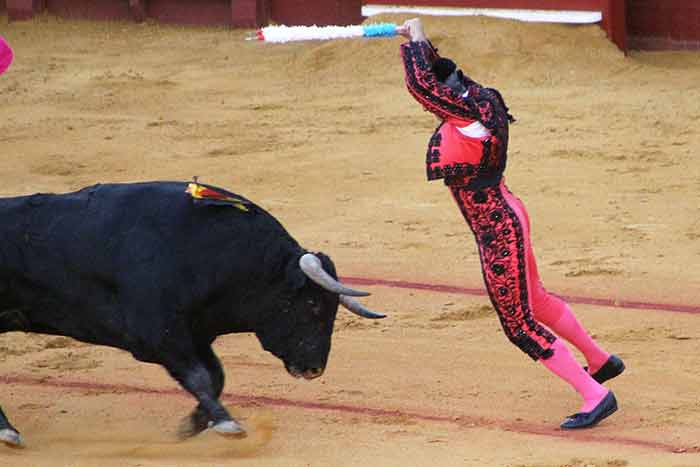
x: 325, y: 136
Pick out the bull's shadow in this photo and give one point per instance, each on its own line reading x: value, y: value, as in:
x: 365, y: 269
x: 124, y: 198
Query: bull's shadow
x: 161, y: 269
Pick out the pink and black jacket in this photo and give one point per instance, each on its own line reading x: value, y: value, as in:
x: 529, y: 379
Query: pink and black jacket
x: 471, y: 158
x: 451, y: 156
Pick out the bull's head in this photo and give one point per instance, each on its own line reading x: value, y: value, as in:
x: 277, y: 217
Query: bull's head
x: 300, y: 332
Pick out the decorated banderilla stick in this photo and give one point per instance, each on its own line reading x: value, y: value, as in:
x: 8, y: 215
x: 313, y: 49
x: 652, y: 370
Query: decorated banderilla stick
x: 305, y: 33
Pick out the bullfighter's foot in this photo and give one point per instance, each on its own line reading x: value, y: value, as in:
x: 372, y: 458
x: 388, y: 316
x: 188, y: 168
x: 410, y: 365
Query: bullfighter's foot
x: 10, y: 437
x: 613, y: 367
x: 230, y: 428
x: 604, y: 409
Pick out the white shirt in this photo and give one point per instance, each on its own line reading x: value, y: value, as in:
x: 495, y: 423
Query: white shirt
x: 474, y: 130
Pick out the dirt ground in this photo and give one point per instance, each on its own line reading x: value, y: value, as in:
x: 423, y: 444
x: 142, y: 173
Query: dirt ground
x: 325, y: 136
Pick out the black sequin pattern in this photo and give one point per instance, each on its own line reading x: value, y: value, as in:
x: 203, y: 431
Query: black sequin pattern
x: 501, y: 243
x: 471, y: 176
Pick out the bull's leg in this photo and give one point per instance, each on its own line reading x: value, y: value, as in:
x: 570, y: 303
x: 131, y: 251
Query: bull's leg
x: 197, y: 379
x: 10, y: 320
x: 199, y: 419
x: 8, y: 433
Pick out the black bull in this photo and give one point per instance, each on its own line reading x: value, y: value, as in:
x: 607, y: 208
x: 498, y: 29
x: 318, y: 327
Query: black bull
x: 160, y: 273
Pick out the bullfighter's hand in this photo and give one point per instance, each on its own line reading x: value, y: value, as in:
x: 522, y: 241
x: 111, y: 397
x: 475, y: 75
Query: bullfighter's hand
x: 412, y: 29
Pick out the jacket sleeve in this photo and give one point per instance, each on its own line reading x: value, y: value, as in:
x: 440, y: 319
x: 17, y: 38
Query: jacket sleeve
x: 421, y: 82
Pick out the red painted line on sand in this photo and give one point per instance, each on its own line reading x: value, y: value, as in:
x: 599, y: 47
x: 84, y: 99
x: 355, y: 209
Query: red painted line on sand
x: 461, y: 421
x: 604, y: 302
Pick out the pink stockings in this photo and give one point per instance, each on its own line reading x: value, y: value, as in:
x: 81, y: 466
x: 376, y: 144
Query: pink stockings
x: 549, y: 309
x: 563, y: 364
x: 555, y: 313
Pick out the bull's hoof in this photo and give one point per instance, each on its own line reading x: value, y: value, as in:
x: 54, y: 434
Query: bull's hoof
x: 230, y: 429
x: 187, y: 430
x: 10, y: 437
x: 193, y: 425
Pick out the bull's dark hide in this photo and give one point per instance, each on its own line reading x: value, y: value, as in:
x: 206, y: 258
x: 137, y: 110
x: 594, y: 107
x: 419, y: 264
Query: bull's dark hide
x: 147, y: 268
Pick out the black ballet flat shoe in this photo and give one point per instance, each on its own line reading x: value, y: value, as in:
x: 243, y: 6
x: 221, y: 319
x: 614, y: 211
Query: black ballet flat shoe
x: 604, y: 409
x: 612, y: 368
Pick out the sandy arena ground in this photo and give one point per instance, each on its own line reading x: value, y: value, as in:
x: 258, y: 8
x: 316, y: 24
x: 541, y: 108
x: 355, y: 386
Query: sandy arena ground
x: 325, y: 136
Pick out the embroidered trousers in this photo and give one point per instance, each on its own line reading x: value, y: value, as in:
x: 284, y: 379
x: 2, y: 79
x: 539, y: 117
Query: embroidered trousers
x: 501, y: 228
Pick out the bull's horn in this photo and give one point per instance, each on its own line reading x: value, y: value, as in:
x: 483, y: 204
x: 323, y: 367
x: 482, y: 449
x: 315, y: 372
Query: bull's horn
x: 357, y: 308
x: 311, y: 265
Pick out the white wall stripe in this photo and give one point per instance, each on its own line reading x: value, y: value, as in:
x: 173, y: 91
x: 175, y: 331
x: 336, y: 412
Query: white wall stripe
x: 542, y: 16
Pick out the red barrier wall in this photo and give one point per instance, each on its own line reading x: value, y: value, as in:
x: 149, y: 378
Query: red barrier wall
x: 102, y: 10
x: 234, y: 13
x: 664, y: 24
x: 320, y: 12
x: 23, y: 9
x: 615, y: 21
x: 201, y: 12
x: 641, y: 24
x: 250, y: 13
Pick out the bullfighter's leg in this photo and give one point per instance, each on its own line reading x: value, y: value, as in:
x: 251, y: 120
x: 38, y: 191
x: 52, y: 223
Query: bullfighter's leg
x: 556, y: 314
x: 8, y: 433
x: 500, y: 225
x: 501, y: 239
x: 199, y: 419
x: 194, y: 375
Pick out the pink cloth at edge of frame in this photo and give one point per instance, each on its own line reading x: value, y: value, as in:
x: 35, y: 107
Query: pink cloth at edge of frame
x: 6, y: 55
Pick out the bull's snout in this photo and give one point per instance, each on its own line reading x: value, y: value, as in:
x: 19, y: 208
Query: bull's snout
x: 313, y: 373
x: 310, y: 373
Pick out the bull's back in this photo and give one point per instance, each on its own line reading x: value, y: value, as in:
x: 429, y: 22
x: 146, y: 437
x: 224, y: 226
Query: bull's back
x: 118, y: 232
x: 115, y: 260
x: 84, y: 228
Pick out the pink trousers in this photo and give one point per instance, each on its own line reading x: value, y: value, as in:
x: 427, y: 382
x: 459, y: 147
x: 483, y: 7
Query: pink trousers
x: 501, y: 228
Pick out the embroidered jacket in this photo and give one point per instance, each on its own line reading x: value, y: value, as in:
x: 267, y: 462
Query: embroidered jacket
x: 459, y: 159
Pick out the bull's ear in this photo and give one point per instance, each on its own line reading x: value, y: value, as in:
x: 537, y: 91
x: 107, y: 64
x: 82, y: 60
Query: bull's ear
x: 295, y: 277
